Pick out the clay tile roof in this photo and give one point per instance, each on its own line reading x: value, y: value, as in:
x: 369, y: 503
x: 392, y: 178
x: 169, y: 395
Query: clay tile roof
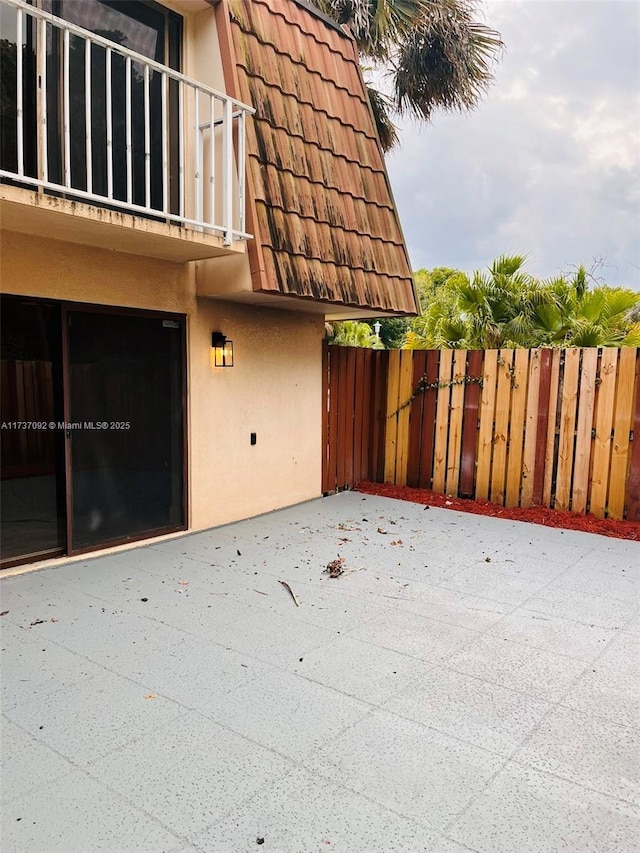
x: 321, y: 209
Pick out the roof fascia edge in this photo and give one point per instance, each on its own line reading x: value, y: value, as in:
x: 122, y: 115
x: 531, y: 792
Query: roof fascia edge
x: 313, y: 10
x: 386, y: 178
x: 230, y: 72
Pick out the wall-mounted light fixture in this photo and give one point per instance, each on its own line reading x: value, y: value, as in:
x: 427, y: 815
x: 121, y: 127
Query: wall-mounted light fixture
x: 222, y: 349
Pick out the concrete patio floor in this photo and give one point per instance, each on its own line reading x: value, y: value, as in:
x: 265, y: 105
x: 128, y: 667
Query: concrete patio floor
x: 468, y: 684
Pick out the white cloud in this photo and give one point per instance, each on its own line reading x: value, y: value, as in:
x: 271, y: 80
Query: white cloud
x: 549, y: 163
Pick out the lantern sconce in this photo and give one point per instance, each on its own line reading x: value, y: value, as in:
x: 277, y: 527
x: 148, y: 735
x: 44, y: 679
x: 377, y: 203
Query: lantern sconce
x: 222, y: 350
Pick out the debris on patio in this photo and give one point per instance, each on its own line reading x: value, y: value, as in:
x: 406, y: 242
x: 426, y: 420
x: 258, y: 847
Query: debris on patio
x: 335, y: 568
x: 291, y: 592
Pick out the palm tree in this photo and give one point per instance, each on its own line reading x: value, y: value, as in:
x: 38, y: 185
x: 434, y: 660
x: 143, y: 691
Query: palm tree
x: 507, y: 307
x: 351, y: 333
x: 437, y: 55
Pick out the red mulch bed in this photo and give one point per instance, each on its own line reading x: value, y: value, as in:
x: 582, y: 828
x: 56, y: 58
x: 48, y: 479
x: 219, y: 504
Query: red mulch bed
x: 535, y: 515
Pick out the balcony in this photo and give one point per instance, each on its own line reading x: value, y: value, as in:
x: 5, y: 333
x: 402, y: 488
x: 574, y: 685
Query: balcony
x: 104, y: 146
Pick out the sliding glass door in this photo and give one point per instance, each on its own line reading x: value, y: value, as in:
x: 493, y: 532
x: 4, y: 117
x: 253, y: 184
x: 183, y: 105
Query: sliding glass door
x: 93, y: 427
x: 125, y: 389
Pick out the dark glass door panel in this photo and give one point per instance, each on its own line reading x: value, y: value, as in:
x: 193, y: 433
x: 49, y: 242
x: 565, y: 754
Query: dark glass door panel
x: 126, y: 410
x: 32, y: 467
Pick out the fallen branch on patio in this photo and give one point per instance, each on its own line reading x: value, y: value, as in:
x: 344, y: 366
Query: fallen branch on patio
x: 291, y: 592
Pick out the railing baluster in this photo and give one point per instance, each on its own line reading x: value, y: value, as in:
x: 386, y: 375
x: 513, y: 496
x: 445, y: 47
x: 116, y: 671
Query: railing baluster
x: 181, y: 120
x: 19, y: 92
x: 109, y: 107
x: 227, y: 173
x: 241, y: 168
x: 212, y: 161
x: 198, y: 141
x: 42, y: 94
x: 147, y: 142
x: 66, y: 109
x: 127, y: 121
x: 87, y: 114
x: 165, y: 156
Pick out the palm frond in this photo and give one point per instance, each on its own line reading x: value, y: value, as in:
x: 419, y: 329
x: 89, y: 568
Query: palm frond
x: 381, y: 107
x: 619, y: 302
x: 445, y: 61
x: 376, y: 25
x: 507, y: 265
x: 632, y: 338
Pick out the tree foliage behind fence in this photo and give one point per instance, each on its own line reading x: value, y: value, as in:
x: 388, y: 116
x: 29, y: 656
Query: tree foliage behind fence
x: 543, y: 427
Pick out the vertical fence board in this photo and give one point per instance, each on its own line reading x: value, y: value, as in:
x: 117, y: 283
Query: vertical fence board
x: 516, y: 429
x: 429, y: 422
x: 455, y: 422
x: 404, y: 408
x: 350, y: 414
x: 604, y: 422
x: 378, y: 440
x: 442, y: 421
x: 334, y: 411
x: 621, y: 429
x: 326, y: 438
x: 358, y: 399
x: 391, y: 437
x: 544, y: 395
x: 365, y: 468
x: 550, y: 449
x: 586, y: 402
x: 501, y: 429
x: 334, y: 416
x: 530, y: 429
x: 633, y: 487
x: 415, y: 419
x: 342, y: 418
x: 566, y: 440
x: 470, y: 425
x: 487, y: 415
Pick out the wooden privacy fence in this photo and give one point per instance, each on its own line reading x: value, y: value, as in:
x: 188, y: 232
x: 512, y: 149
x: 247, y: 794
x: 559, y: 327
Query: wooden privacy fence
x: 522, y: 427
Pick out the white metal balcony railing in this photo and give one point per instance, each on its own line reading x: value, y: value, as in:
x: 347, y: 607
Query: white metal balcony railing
x: 89, y: 119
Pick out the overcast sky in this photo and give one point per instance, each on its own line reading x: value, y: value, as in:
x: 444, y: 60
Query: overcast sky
x: 548, y: 164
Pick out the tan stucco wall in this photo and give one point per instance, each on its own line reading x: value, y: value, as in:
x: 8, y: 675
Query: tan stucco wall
x: 274, y: 389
